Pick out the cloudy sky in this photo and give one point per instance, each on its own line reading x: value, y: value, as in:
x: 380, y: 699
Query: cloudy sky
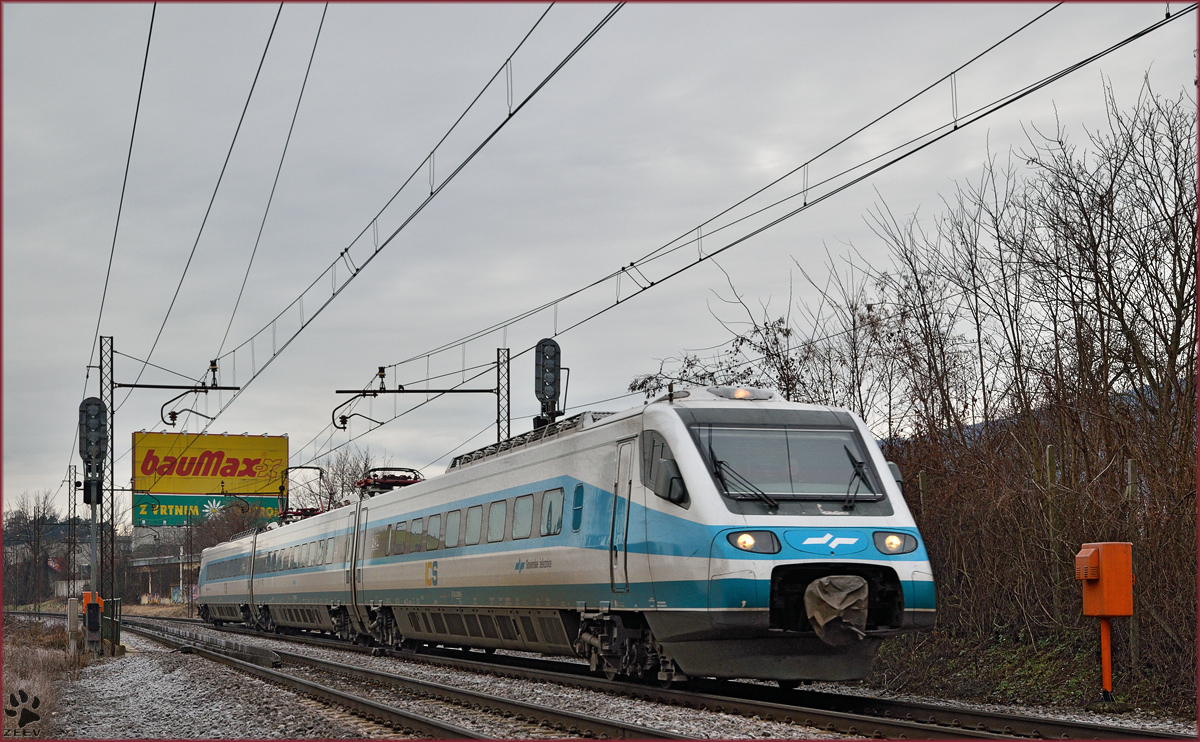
x: 668, y: 115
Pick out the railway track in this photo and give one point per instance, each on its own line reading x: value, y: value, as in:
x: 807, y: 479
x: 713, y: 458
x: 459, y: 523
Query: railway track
x: 393, y: 697
x: 847, y: 714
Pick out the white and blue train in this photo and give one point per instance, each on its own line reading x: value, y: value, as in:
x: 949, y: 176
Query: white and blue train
x: 715, y: 532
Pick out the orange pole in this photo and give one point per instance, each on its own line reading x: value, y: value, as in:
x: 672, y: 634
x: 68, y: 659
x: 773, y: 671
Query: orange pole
x: 1106, y: 656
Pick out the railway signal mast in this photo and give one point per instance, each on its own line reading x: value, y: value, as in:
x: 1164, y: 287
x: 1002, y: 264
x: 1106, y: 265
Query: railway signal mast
x: 93, y: 448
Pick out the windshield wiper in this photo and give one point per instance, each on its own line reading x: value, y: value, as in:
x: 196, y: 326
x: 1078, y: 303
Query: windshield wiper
x: 860, y: 473
x: 722, y: 469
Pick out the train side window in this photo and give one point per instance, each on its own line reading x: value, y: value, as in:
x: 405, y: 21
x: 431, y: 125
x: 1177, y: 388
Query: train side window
x: 416, y: 535
x: 577, y: 509
x: 433, y: 535
x: 330, y: 546
x: 399, y: 538
x: 654, y: 448
x: 552, y: 512
x: 320, y: 551
x: 474, y: 524
x: 387, y: 541
x: 452, y: 522
x: 522, y: 518
x: 496, y: 516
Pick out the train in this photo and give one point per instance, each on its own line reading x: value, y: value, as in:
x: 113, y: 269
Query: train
x: 717, y: 532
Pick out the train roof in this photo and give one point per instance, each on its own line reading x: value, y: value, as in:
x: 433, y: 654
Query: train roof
x: 565, y: 426
x: 714, y: 396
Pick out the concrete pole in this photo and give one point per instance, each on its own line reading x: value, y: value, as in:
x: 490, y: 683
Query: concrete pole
x: 73, y: 625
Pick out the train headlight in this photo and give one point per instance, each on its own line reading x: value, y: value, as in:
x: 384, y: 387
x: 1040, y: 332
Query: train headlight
x: 895, y: 543
x: 759, y: 542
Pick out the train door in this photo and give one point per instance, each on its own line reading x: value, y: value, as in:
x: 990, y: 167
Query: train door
x: 357, y: 549
x: 618, y: 542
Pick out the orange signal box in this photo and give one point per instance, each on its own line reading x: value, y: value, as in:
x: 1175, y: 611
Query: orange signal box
x: 88, y: 598
x: 1106, y: 570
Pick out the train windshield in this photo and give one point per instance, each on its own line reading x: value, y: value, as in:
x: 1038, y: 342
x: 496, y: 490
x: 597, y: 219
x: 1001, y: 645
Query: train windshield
x: 789, y: 463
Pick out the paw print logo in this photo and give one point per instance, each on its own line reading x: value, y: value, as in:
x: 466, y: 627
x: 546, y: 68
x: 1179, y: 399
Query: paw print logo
x: 21, y: 707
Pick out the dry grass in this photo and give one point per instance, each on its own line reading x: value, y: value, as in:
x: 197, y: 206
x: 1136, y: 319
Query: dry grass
x: 36, y: 660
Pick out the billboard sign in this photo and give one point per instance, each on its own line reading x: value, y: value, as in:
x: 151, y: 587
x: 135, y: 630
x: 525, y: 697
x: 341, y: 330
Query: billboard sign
x: 202, y: 464
x: 180, y: 510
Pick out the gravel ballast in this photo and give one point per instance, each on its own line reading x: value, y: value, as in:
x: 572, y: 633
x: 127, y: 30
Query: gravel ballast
x: 154, y: 693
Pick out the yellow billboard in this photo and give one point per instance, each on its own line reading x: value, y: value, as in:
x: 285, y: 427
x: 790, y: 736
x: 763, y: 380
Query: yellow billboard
x: 183, y: 464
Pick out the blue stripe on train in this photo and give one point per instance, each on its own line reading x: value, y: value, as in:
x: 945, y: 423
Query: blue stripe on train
x: 677, y: 594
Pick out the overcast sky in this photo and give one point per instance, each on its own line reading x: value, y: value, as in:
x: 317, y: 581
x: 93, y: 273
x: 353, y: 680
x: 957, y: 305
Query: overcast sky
x: 667, y: 116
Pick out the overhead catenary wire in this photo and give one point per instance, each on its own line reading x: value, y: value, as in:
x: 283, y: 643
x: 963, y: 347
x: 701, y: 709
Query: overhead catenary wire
x: 357, y: 269
x: 275, y: 183
x: 489, y: 426
x: 931, y: 137
x: 697, y: 229
x: 137, y: 108
x: 211, y: 201
x: 647, y: 282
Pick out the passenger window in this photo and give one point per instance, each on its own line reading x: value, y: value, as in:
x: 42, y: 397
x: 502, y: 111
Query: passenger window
x: 432, y: 537
x: 552, y: 512
x: 522, y: 518
x: 399, y: 537
x: 452, y: 521
x: 577, y: 509
x: 474, y: 523
x: 496, y: 515
x: 416, y: 535
x: 330, y: 543
x: 321, y: 551
x: 387, y: 541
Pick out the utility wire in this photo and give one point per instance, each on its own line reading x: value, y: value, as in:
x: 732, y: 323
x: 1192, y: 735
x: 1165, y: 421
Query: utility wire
x: 932, y: 137
x: 946, y: 130
x: 863, y: 128
x: 659, y: 251
x: 425, y: 202
x: 278, y: 170
x: 124, y: 181
x: 117, y: 226
x: 160, y: 368
x: 210, y: 202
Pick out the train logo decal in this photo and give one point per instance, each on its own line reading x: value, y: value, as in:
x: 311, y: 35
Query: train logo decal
x: 430, y: 574
x: 832, y: 544
x: 525, y: 564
